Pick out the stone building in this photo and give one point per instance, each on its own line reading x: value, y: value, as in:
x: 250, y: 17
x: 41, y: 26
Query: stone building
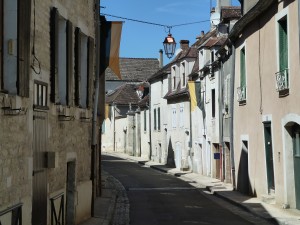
x: 46, y: 97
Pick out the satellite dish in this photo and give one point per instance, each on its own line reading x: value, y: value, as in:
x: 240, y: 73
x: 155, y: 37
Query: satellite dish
x: 215, y: 18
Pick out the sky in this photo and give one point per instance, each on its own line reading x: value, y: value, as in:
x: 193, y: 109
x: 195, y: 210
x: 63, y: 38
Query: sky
x: 143, y: 40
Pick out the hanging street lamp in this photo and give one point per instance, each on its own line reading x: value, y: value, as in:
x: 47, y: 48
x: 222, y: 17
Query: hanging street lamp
x: 169, y: 45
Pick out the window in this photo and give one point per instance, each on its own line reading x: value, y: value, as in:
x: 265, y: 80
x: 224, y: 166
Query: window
x: 83, y: 68
x: 40, y: 94
x: 158, y: 118
x: 15, y: 20
x: 183, y: 75
x: 174, y: 77
x: 154, y: 121
x: 145, y: 120
x: 61, y: 58
x: 241, y: 91
x: 212, y: 56
x: 242, y: 68
x: 213, y: 103
x: 283, y: 44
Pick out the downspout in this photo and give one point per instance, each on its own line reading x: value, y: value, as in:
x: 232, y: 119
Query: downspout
x: 150, y: 127
x: 95, y: 107
x: 221, y: 125
x: 232, y: 116
x: 299, y: 25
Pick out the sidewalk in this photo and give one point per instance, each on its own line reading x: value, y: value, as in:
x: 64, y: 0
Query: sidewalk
x: 270, y: 212
x: 112, y: 208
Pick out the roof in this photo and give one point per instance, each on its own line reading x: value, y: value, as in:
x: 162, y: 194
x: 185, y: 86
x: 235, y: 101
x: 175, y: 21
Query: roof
x: 134, y: 69
x: 190, y: 52
x: 123, y: 95
x: 214, y: 41
x: 231, y: 12
x: 251, y: 15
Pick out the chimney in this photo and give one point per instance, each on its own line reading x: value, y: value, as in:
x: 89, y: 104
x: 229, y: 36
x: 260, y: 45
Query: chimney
x: 161, y: 58
x: 184, y: 44
x: 202, y: 33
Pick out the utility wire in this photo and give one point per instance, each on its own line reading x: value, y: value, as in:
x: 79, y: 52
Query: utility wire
x: 156, y: 24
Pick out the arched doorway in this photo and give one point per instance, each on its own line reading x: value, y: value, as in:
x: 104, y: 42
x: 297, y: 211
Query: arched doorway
x: 291, y: 156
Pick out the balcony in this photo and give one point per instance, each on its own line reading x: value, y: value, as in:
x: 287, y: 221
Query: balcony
x: 282, y: 80
x: 241, y: 94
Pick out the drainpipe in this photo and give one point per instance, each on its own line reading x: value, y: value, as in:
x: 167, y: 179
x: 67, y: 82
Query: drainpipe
x: 221, y: 106
x: 95, y: 107
x: 232, y: 116
x: 299, y: 25
x: 150, y: 125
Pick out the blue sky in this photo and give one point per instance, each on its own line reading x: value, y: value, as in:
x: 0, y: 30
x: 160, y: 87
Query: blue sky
x: 141, y: 40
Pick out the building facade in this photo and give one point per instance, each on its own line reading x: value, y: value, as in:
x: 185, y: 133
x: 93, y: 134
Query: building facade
x: 47, y: 74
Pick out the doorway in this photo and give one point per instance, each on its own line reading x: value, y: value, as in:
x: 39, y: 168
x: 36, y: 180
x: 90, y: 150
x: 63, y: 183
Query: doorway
x: 70, y: 197
x: 269, y: 157
x: 39, y: 179
x: 296, y: 156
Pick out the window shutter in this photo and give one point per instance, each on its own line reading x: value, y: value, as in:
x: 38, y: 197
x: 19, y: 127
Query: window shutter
x: 1, y: 43
x: 158, y: 116
x: 90, y: 72
x: 77, y: 65
x: 24, y: 22
x: 53, y: 52
x: 243, y: 68
x: 154, y: 119
x: 69, y: 62
x: 283, y: 45
x: 145, y: 121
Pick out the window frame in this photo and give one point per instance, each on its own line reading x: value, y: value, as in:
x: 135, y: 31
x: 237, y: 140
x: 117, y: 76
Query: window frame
x: 22, y: 46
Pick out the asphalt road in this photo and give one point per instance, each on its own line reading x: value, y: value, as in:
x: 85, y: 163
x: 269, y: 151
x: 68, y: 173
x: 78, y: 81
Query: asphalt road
x: 161, y: 199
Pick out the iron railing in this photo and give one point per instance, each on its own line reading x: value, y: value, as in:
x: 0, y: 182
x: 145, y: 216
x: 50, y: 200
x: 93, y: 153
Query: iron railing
x: 16, y: 214
x: 241, y: 93
x: 57, y: 216
x: 282, y: 80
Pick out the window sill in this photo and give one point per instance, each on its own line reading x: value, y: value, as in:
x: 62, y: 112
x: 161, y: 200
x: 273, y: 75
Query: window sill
x: 38, y: 107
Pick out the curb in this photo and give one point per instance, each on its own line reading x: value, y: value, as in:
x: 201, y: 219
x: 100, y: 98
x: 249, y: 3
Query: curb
x: 240, y: 205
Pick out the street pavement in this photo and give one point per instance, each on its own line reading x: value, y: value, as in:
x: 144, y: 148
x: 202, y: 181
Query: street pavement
x: 113, y: 206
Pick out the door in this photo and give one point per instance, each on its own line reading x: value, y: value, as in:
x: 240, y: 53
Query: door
x: 296, y: 151
x: 269, y: 157
x: 39, y: 180
x: 71, y: 189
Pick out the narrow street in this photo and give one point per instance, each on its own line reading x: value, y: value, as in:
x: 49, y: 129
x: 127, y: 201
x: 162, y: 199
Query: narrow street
x: 161, y: 199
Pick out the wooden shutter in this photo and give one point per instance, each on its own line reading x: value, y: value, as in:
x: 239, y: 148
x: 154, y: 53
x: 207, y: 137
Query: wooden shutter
x: 24, y: 22
x: 283, y: 45
x: 69, y: 62
x: 90, y: 72
x: 53, y: 52
x: 154, y: 119
x: 213, y: 103
x: 1, y: 44
x: 158, y: 118
x: 77, y: 65
x: 243, y: 68
x: 145, y: 120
